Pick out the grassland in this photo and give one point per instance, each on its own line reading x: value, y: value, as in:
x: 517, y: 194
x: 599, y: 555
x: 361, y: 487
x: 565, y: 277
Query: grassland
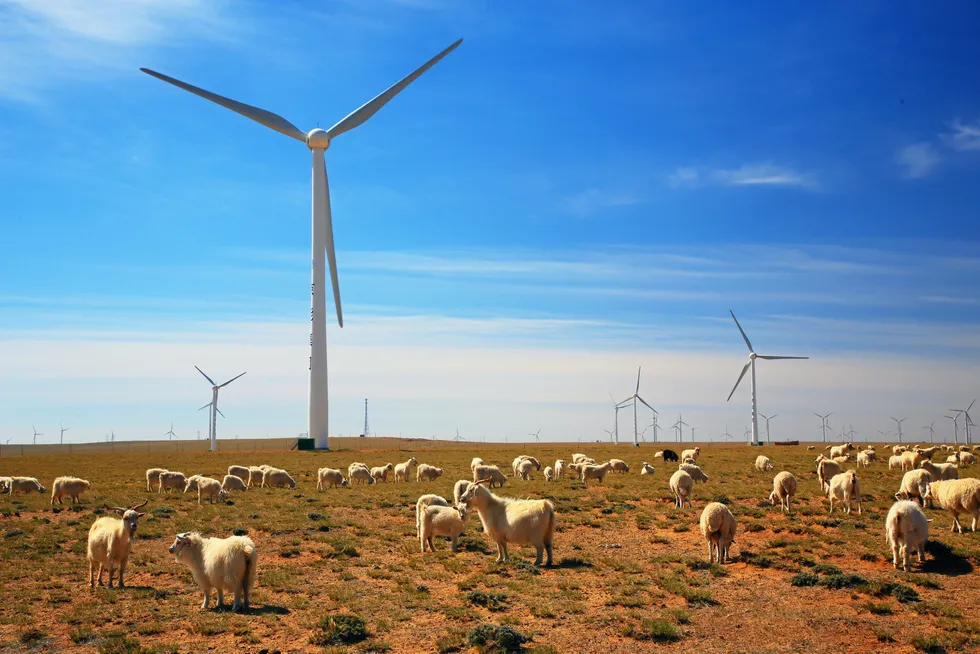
x: 630, y: 574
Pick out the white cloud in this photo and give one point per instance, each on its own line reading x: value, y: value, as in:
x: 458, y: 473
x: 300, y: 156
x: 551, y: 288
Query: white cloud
x: 762, y: 174
x: 593, y: 200
x: 964, y: 137
x: 684, y: 178
x: 919, y: 159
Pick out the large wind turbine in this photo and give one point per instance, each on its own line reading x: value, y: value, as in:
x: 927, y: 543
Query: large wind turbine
x: 751, y: 364
x: 213, y: 413
x: 317, y: 140
x: 633, y: 398
x: 967, y: 421
x: 899, y: 423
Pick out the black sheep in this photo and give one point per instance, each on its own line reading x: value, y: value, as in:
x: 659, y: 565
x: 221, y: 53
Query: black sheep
x: 670, y: 455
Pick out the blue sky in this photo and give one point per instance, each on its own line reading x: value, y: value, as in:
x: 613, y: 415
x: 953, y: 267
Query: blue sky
x: 577, y: 190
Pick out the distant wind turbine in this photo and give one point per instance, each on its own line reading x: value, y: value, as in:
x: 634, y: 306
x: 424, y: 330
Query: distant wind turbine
x: 932, y: 431
x: 726, y: 436
x: 956, y: 429
x: 36, y: 434
x: 751, y: 364
x: 767, y: 419
x: 824, y: 424
x: 458, y: 437
x: 967, y: 421
x: 634, y: 398
x: 536, y: 435
x: 899, y: 423
x: 213, y: 413
x: 171, y: 433
x: 63, y: 430
x: 679, y: 426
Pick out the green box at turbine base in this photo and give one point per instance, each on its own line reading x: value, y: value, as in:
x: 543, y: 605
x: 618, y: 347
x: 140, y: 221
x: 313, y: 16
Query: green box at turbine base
x: 306, y: 444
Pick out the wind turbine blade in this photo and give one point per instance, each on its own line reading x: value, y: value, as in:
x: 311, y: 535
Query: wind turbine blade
x: 637, y: 380
x: 321, y: 191
x: 365, y: 111
x: 205, y: 376
x: 219, y: 412
x: 773, y: 416
x: 744, y: 370
x: 205, y: 406
x: 646, y: 405
x: 612, y: 398
x: 971, y: 405
x: 230, y: 380
x: 742, y: 331
x: 770, y: 358
x: 261, y: 116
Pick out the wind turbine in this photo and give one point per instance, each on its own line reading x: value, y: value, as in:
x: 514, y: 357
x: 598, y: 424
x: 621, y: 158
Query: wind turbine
x: 825, y: 424
x: 458, y: 437
x: 213, y: 427
x: 967, y: 420
x: 171, y: 433
x: 63, y: 430
x: 899, y: 423
x: 317, y: 140
x: 36, y: 434
x: 751, y: 364
x: 726, y: 435
x: 634, y: 397
x: 679, y: 426
x: 747, y: 433
x: 956, y: 429
x: 617, y: 407
x: 610, y: 432
x: 536, y: 436
x: 932, y: 431
x: 767, y: 419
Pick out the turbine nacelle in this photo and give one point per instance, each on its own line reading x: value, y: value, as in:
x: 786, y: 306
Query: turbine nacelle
x: 318, y: 139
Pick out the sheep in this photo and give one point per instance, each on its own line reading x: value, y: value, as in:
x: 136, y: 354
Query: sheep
x: 864, y: 459
x: 402, y: 470
x: 826, y: 469
x: 549, y: 474
x: 329, y: 477
x: 670, y: 455
x: 449, y: 521
x: 906, y: 527
x: 811, y: 448
x: 210, y: 488
x: 459, y: 488
x: 68, y: 486
x: 492, y: 473
x: 967, y: 459
x: 153, y: 477
x: 953, y: 458
x: 595, y: 472
x: 575, y: 469
x: 915, y: 485
x: 278, y: 478
x: 524, y: 457
x: 420, y: 505
x: 899, y: 449
x: 910, y: 460
x: 928, y: 452
x: 4, y: 484
x: 239, y: 471
x: 964, y: 448
x: 693, y: 453
x: 718, y: 528
x: 506, y: 520
x: 957, y: 496
x: 695, y: 472
x: 110, y: 542
x: 559, y: 469
x: 220, y: 563
x: 618, y: 465
x: 578, y: 458
x: 689, y: 459
x: 191, y: 484
x: 841, y: 460
x: 381, y: 473
x: 647, y: 469
x: 170, y: 479
x: 681, y: 485
x: 24, y: 485
x: 659, y: 454
x: 255, y: 476
x: 762, y: 463
x: 357, y: 464
x: 840, y: 450
x: 783, y: 489
x: 524, y: 469
x: 895, y: 461
x: 425, y: 472
x: 477, y: 461
x: 845, y: 487
x: 233, y: 482
x: 360, y: 475
x: 941, y: 471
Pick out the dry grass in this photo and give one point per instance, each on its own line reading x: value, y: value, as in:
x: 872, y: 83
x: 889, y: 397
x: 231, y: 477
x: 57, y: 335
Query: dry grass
x: 630, y: 568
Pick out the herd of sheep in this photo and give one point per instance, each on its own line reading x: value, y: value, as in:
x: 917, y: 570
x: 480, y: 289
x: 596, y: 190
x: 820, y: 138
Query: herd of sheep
x: 230, y: 564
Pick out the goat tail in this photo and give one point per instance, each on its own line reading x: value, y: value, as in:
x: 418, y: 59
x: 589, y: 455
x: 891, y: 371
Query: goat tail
x: 251, y: 568
x: 550, y: 529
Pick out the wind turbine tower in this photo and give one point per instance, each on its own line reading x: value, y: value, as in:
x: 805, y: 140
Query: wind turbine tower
x: 751, y: 364
x: 899, y: 423
x: 63, y: 430
x: 365, y: 433
x: 932, y: 431
x: 825, y: 424
x: 679, y: 426
x: 967, y: 421
x: 170, y: 434
x: 767, y: 419
x: 634, y: 398
x: 213, y: 423
x: 36, y: 434
x: 536, y: 434
x: 956, y: 429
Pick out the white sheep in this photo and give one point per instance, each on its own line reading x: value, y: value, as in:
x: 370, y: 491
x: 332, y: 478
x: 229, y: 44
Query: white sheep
x: 402, y: 470
x: 647, y: 469
x: 278, y: 478
x: 574, y: 469
x: 233, y: 482
x: 811, y: 448
x: 967, y: 459
x: 845, y: 488
x: 355, y: 465
x: 191, y: 484
x: 380, y: 473
x: 784, y: 487
x: 255, y: 474
x: 681, y: 484
x: 449, y: 521
x: 689, y: 459
x: 71, y: 487
x: 506, y: 520
x: 915, y: 485
x: 24, y: 485
x: 490, y: 473
x: 360, y: 475
x: 549, y: 474
x: 941, y: 471
x: 692, y: 453
x: 110, y: 541
x: 840, y: 450
x: 153, y: 478
x: 906, y: 527
x: 864, y: 459
x: 239, y: 471
x: 220, y: 563
x: 524, y: 469
x: 841, y: 460
x: 762, y: 463
x: 459, y: 489
x: 911, y: 460
x: 598, y: 472
x: 928, y: 452
x: 559, y: 469
x: 477, y: 461
x: 694, y: 471
x: 578, y: 457
x: 170, y: 480
x: 516, y: 464
x: 895, y: 461
x: 420, y: 505
x: 659, y: 454
x: 210, y: 488
x: 899, y: 449
x: 425, y: 472
x: 957, y: 496
x: 718, y: 528
x: 329, y: 477
x: 826, y: 469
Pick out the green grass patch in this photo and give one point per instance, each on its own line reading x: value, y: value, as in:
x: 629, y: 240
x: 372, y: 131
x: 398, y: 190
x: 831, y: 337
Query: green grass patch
x: 339, y: 629
x: 497, y: 639
x: 656, y: 630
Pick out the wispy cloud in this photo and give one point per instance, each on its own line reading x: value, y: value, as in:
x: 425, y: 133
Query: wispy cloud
x: 919, y: 159
x: 592, y: 201
x: 963, y: 137
x: 762, y: 174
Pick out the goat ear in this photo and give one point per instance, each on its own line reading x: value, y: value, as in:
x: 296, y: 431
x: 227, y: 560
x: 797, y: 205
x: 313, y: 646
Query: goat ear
x: 140, y: 515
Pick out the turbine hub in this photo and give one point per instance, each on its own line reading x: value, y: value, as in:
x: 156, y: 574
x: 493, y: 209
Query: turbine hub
x: 753, y: 356
x: 318, y: 139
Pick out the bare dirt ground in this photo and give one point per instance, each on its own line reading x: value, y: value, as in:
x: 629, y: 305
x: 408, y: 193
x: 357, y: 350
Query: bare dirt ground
x: 631, y: 572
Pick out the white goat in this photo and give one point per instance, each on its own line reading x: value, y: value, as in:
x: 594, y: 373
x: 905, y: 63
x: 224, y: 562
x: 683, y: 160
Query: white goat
x: 380, y: 473
x: 210, y: 488
x: 506, y: 520
x: 169, y: 480
x: 524, y: 469
x: 647, y: 469
x: 24, y: 485
x: 110, y: 542
x: 762, y: 463
x: 153, y: 477
x: 421, y: 503
x: 490, y: 473
x: 360, y: 475
x: 549, y: 473
x: 403, y: 470
x: 425, y: 472
x: 957, y: 496
x: 906, y: 527
x: 597, y: 472
x: 71, y: 487
x: 233, y: 482
x: 693, y: 453
x: 559, y: 469
x: 278, y: 478
x: 239, y: 471
x: 618, y: 465
x: 329, y: 477
x: 449, y: 521
x: 845, y: 488
x: 220, y: 563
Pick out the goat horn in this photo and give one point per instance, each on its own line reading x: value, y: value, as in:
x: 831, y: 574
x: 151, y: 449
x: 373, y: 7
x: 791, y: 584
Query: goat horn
x: 139, y: 506
x: 114, y: 508
x: 482, y: 481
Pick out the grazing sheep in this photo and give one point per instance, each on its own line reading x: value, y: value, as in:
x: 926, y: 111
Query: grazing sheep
x: 402, y: 470
x: 953, y: 458
x: 906, y: 527
x: 71, y: 487
x: 928, y: 452
x: 941, y: 471
x: 762, y: 463
x: 618, y: 465
x: 381, y: 473
x: 967, y: 459
x: 841, y: 460
x: 506, y: 520
x: 233, y: 482
x: 964, y: 448
x: 255, y: 476
x: 449, y: 521
x: 191, y: 484
x: 360, y: 475
x: 915, y: 485
x: 110, y: 542
x: 559, y: 469
x: 459, y: 488
x: 845, y: 488
x: 575, y: 469
x: 840, y: 450
x: 491, y: 473
x: 220, y: 563
x: 578, y: 458
x: 689, y: 459
x: 239, y: 471
x: 169, y: 480
x: 670, y: 455
x: 24, y: 485
x: 718, y: 528
x: 425, y: 472
x: 524, y: 457
x: 659, y: 454
x: 826, y: 469
x: 355, y: 465
x: 278, y: 478
x: 153, y: 477
x: 329, y: 477
x: 910, y: 460
x: 210, y: 488
x: 695, y: 472
x: 595, y: 472
x: 647, y: 469
x: 549, y: 474
x: 895, y: 461
x: 864, y: 459
x: 693, y: 453
x: 783, y: 489
x: 421, y: 504
x: 957, y: 496
x: 681, y: 484
x: 811, y: 448
x: 524, y: 469
x: 899, y: 449
x: 477, y: 461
